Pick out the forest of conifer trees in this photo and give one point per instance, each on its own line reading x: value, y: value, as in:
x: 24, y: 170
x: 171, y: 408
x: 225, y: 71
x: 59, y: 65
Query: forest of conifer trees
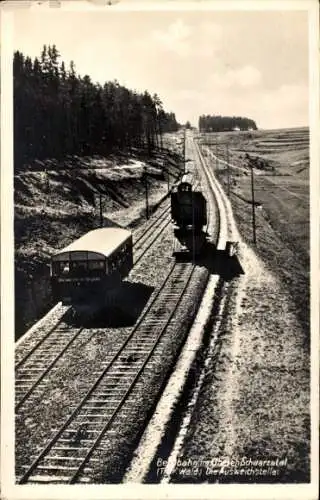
x: 58, y: 112
x: 208, y: 123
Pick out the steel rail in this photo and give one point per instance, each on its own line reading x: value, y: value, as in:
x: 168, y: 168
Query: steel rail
x: 154, y: 239
x: 46, y: 370
x: 37, y: 345
x: 133, y: 383
x: 151, y: 226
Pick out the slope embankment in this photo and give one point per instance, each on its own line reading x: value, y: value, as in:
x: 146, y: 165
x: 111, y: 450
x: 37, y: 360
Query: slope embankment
x: 58, y: 201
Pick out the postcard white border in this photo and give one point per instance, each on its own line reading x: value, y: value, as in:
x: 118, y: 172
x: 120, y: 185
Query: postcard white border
x: 239, y: 491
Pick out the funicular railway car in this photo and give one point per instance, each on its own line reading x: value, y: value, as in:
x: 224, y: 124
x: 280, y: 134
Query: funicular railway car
x: 189, y: 214
x: 92, y: 267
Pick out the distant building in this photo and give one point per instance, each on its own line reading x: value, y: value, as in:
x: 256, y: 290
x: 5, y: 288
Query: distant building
x: 236, y: 129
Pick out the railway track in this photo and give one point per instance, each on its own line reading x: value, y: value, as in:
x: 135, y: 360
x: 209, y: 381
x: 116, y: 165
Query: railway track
x: 145, y: 241
x: 163, y: 437
x: 37, y: 334
x: 39, y: 361
x: 68, y: 456
x: 32, y: 367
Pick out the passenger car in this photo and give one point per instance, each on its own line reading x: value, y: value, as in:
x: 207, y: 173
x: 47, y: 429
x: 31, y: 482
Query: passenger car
x: 92, y: 266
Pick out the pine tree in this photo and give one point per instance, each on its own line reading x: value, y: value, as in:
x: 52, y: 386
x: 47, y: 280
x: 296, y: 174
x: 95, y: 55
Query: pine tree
x: 58, y: 113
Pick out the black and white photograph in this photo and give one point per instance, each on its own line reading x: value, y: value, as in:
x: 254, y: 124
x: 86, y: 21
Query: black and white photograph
x: 159, y: 249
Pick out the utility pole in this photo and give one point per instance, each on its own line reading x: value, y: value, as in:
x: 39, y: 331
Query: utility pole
x: 46, y: 180
x: 253, y: 207
x: 100, y: 203
x: 216, y: 153
x: 168, y: 179
x: 147, y: 193
x: 193, y: 230
x: 184, y: 151
x: 228, y: 170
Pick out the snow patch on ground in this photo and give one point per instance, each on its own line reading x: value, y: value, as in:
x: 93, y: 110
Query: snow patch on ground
x: 132, y: 165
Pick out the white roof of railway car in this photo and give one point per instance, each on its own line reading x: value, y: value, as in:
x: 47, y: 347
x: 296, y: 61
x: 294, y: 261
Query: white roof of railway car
x: 102, y: 241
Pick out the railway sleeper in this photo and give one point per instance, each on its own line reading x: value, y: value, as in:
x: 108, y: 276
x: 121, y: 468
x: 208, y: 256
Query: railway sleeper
x: 107, y: 412
x: 116, y: 380
x: 102, y: 399
x: 70, y: 431
x: 59, y: 459
x: 135, y: 352
x: 38, y: 364
x: 88, y: 431
x: 105, y: 395
x: 104, y: 406
x: 69, y: 440
x: 100, y: 404
x: 67, y: 458
x: 147, y: 330
x: 30, y: 369
x: 70, y: 448
x: 125, y: 371
x: 20, y: 381
x: 121, y: 370
x: 91, y: 404
x: 145, y: 346
x: 111, y: 386
x: 43, y: 360
x: 113, y: 391
x: 22, y: 387
x: 150, y: 322
x: 57, y: 467
x: 48, y: 479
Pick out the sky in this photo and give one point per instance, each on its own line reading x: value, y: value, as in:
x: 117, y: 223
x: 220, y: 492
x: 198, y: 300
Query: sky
x: 238, y: 63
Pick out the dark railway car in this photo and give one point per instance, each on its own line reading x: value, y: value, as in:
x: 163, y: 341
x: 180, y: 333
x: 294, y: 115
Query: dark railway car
x: 92, y: 267
x: 188, y: 207
x: 189, y: 213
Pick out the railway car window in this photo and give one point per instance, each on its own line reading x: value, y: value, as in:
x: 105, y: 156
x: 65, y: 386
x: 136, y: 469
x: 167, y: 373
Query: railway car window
x: 61, y: 267
x: 185, y: 187
x: 94, y: 265
x: 56, y: 268
x: 65, y: 267
x: 79, y: 265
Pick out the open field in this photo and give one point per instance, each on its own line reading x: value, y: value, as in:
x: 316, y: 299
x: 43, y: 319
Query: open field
x: 280, y: 162
x: 284, y: 150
